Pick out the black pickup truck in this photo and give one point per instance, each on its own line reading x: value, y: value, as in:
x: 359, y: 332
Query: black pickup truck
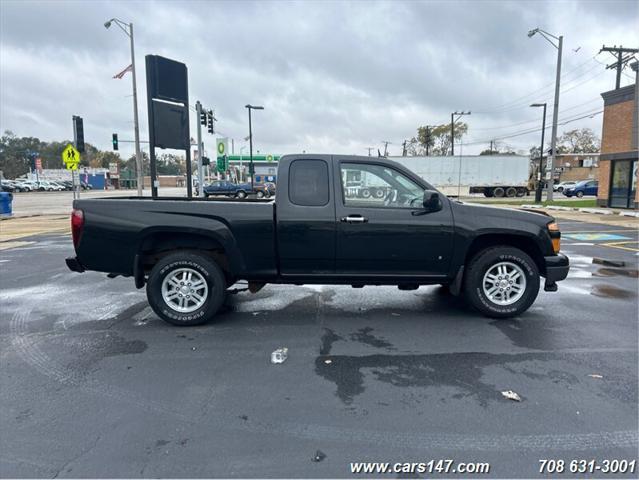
x: 318, y: 230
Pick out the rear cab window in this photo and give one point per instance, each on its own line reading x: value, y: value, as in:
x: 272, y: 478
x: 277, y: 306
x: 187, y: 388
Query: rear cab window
x: 308, y: 183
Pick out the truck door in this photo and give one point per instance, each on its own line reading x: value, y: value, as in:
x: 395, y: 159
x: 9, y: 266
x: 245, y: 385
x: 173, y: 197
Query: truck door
x: 306, y: 217
x: 380, y: 226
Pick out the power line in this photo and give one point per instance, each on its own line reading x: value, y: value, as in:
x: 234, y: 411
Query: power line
x: 598, y: 99
x: 534, y: 130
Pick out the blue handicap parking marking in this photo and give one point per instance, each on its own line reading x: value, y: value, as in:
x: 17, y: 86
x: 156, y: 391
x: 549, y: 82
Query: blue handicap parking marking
x: 594, y: 236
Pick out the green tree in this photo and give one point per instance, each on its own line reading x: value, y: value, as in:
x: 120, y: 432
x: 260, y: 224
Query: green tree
x: 581, y: 140
x: 437, y: 138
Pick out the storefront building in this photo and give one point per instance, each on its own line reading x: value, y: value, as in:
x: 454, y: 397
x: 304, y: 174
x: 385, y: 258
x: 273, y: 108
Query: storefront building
x: 619, y: 159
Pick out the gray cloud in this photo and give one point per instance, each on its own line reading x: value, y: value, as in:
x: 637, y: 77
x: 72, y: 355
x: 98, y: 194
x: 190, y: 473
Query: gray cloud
x: 333, y: 76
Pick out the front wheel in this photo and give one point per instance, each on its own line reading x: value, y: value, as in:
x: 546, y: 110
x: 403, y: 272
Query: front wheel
x: 260, y: 194
x: 186, y: 288
x: 501, y: 282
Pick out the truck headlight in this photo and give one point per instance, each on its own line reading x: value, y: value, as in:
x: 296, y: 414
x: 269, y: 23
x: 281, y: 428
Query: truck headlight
x: 555, y: 236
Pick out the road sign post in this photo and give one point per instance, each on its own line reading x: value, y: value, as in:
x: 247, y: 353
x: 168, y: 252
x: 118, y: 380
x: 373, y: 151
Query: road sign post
x: 71, y: 160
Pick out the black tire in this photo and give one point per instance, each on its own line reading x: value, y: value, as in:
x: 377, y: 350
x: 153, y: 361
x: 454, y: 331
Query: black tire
x: 579, y: 194
x: 260, y: 194
x: 482, y: 262
x: 521, y: 192
x: 511, y: 192
x: 560, y: 189
x: 489, y: 193
x: 207, y: 268
x: 498, y: 192
x: 241, y: 194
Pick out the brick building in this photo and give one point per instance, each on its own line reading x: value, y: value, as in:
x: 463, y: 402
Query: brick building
x: 577, y: 166
x: 619, y: 156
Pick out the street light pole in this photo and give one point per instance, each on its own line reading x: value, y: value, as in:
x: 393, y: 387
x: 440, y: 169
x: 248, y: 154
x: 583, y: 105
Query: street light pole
x: 136, y: 124
x: 251, y: 169
x: 550, y: 164
x: 541, y: 153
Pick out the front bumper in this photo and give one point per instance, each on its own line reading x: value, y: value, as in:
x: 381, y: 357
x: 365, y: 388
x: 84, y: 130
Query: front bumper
x: 557, y: 267
x: 74, y: 264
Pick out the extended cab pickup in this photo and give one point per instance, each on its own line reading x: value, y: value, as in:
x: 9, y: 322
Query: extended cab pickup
x: 189, y: 251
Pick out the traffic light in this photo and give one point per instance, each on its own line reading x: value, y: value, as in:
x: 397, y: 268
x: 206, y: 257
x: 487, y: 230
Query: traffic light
x: 203, y: 117
x: 78, y: 133
x: 115, y: 141
x: 206, y: 161
x: 210, y: 121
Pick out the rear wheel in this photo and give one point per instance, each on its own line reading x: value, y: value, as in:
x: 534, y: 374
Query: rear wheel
x: 260, y: 194
x: 501, y: 282
x: 498, y: 192
x: 186, y: 288
x: 511, y: 192
x: 241, y: 194
x: 579, y: 194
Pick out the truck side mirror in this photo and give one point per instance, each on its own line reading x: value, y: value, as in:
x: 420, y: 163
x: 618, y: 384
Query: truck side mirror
x: 432, y: 201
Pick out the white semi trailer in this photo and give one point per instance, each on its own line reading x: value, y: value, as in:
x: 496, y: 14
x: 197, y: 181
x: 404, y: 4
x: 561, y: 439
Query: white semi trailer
x: 491, y: 175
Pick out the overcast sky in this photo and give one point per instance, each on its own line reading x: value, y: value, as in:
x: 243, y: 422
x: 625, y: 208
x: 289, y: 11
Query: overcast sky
x: 332, y: 76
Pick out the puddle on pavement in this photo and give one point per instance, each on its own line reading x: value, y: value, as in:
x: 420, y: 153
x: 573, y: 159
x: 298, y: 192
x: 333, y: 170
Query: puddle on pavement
x: 462, y: 371
x: 611, y: 272
x: 364, y: 335
x: 608, y: 291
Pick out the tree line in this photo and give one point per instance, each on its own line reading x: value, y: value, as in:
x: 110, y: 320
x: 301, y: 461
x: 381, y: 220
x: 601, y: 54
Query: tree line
x: 436, y: 141
x: 16, y: 155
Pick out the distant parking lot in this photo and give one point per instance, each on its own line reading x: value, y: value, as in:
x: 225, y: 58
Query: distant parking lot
x: 93, y: 383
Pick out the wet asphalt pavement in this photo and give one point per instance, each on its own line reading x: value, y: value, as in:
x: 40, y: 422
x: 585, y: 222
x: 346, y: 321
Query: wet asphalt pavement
x: 93, y: 384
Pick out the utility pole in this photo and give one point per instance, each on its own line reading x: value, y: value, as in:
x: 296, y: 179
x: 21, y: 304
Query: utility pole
x: 369, y: 150
x: 452, y: 128
x: 385, y: 142
x: 127, y: 28
x: 427, y: 140
x: 200, y: 150
x: 404, y: 149
x: 491, y: 147
x: 621, y: 59
x: 550, y: 164
x: 555, y: 117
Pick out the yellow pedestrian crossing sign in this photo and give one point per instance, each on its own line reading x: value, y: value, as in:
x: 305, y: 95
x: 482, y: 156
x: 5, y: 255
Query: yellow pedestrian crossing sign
x: 71, y: 157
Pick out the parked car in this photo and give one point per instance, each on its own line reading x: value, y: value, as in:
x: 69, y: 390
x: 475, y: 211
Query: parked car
x: 49, y: 186
x: 585, y: 187
x: 560, y: 187
x: 226, y: 188
x: 17, y: 186
x: 266, y: 190
x: 28, y: 185
x: 7, y: 186
x: 188, y: 252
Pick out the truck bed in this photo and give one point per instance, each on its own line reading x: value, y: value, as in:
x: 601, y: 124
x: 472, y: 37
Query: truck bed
x: 118, y: 229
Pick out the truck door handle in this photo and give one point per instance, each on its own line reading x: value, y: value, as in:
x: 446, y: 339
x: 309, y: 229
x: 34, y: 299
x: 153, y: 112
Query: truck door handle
x: 354, y: 219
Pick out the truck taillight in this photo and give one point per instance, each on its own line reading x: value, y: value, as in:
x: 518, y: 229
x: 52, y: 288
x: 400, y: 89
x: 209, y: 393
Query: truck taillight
x: 77, y: 223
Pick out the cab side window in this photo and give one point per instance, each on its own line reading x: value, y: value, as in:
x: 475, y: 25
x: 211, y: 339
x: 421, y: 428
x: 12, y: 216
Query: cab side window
x: 370, y: 185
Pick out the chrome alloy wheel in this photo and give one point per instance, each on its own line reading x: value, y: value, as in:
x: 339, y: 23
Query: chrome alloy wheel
x: 184, y: 290
x: 504, y: 283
